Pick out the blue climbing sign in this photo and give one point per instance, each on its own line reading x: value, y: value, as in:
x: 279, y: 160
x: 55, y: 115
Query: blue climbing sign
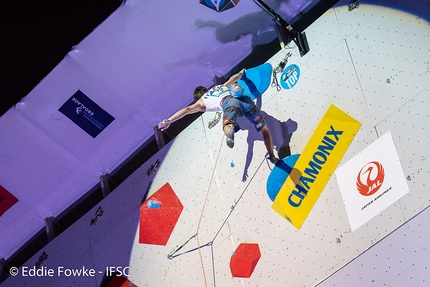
x: 290, y: 76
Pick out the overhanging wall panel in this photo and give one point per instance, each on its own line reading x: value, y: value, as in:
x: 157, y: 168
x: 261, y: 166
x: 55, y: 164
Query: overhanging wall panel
x: 122, y: 53
x: 67, y: 192
x: 163, y: 52
x: 41, y: 109
x: 40, y: 177
x: 41, y: 161
x: 21, y: 230
x: 121, y: 71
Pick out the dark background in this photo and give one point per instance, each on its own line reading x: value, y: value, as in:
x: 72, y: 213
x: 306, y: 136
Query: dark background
x: 37, y: 34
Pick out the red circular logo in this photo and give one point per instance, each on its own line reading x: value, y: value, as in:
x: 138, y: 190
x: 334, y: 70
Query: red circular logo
x: 370, y: 178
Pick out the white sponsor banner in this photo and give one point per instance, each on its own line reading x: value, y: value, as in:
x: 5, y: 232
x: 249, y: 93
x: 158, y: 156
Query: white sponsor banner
x: 371, y: 181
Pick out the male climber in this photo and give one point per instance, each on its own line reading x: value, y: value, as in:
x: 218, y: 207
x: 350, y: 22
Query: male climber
x: 230, y: 99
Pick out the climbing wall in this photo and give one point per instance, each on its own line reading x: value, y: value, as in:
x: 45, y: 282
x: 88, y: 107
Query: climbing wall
x: 372, y: 63
x: 224, y: 191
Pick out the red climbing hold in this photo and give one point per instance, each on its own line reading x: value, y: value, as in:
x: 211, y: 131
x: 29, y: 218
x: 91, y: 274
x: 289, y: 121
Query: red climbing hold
x: 244, y: 260
x: 158, y: 216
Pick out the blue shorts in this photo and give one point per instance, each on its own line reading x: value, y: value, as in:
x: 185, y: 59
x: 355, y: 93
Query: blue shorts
x: 234, y: 108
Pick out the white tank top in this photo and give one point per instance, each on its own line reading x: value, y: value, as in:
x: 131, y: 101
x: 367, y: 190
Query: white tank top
x: 212, y: 98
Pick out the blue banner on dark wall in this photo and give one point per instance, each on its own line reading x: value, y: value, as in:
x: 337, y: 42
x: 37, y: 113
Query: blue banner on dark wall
x: 86, y: 114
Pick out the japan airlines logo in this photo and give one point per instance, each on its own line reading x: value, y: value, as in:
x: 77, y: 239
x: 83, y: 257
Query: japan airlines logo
x: 370, y: 178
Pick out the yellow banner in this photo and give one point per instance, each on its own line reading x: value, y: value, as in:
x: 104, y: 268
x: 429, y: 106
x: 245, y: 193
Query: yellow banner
x: 317, y: 163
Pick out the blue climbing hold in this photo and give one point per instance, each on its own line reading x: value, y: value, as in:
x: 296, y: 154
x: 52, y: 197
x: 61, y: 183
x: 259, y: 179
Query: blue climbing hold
x: 256, y: 80
x: 279, y: 174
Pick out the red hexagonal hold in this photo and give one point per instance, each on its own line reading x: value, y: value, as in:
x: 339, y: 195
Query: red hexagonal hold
x: 158, y: 216
x: 244, y: 260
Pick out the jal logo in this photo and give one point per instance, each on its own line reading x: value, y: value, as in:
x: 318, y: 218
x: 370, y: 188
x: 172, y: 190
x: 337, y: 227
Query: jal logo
x: 290, y: 76
x: 370, y: 178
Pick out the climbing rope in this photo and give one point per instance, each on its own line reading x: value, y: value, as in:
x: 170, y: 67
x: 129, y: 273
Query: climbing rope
x: 203, y: 210
x: 210, y: 243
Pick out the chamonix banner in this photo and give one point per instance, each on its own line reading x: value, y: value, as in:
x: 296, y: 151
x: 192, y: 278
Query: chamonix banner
x: 317, y: 163
x: 371, y: 181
